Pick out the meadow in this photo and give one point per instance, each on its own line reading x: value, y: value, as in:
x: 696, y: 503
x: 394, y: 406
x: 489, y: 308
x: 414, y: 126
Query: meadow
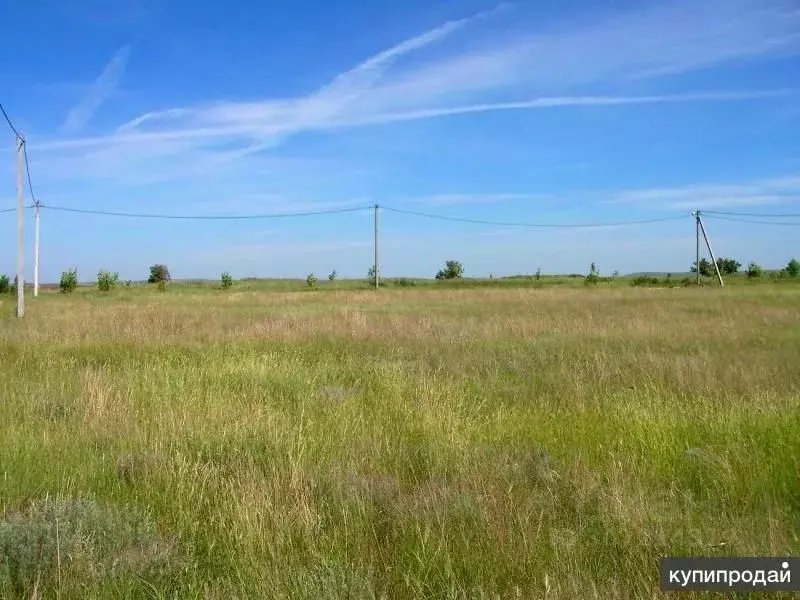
x: 492, y: 441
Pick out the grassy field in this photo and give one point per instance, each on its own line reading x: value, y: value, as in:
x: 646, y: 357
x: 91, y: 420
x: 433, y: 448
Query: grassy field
x: 494, y: 442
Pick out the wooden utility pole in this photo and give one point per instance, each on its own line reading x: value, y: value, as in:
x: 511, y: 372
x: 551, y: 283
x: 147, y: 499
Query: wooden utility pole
x: 36, y: 255
x: 710, y: 252
x: 20, y: 231
x: 375, y: 265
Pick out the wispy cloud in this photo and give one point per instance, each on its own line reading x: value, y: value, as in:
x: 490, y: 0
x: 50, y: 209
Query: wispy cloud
x: 99, y: 92
x: 763, y: 192
x: 533, y: 69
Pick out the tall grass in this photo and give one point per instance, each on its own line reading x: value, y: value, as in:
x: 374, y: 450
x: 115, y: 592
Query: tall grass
x: 469, y: 443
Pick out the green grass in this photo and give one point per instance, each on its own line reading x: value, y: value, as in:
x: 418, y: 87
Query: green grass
x: 491, y: 442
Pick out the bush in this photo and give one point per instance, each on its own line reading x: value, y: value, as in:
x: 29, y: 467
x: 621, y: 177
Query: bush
x: 538, y: 274
x: 754, y: 270
x: 706, y: 267
x: 93, y: 542
x: 793, y: 268
x: 728, y: 266
x: 158, y: 273
x: 227, y: 280
x: 332, y: 276
x: 107, y: 280
x: 162, y: 286
x: 644, y: 280
x: 371, y: 276
x: 69, y: 281
x: 403, y: 282
x: 5, y: 284
x: 311, y: 281
x: 593, y: 277
x: 452, y: 270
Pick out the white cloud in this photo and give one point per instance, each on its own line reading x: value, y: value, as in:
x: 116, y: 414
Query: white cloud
x: 101, y: 89
x: 763, y: 192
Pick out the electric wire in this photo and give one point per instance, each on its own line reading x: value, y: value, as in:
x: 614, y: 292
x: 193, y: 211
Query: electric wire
x: 533, y: 225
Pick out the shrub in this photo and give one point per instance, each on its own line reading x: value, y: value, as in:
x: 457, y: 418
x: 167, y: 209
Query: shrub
x: 706, y: 267
x: 644, y: 280
x: 106, y: 280
x: 5, y: 284
x: 403, y: 282
x: 728, y: 266
x: 69, y: 281
x: 227, y: 280
x: 128, y: 283
x: 89, y: 540
x: 538, y: 274
x: 311, y: 281
x: 793, y: 268
x: 754, y: 270
x: 158, y: 273
x: 162, y: 285
x: 371, y: 276
x: 332, y: 276
x: 594, y: 275
x: 452, y: 270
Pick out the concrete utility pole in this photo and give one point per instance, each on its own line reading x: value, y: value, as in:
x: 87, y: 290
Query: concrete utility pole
x: 36, y: 255
x: 20, y: 232
x: 697, y: 240
x: 710, y: 252
x: 375, y: 265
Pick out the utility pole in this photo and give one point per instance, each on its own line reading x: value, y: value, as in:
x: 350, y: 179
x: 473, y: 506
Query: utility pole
x: 375, y: 265
x: 710, y: 252
x: 36, y: 254
x: 20, y: 231
x: 697, y: 240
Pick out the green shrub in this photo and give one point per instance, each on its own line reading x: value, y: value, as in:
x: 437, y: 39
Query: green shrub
x: 81, y: 537
x: 69, y: 281
x: 644, y: 280
x: 332, y: 276
x: 593, y: 278
x: 227, y: 280
x: 311, y: 280
x: 107, y: 280
x: 403, y: 282
x: 452, y: 270
x: 5, y: 284
x: 793, y: 268
x: 158, y: 273
x: 754, y: 270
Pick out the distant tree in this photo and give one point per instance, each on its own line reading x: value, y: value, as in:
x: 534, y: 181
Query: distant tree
x: 371, y: 275
x: 754, y: 270
x: 227, y: 280
x: 615, y: 274
x: 69, y: 281
x: 5, y: 284
x: 793, y: 268
x: 332, y: 276
x: 158, y: 273
x: 706, y: 267
x: 311, y: 280
x: 106, y: 280
x: 594, y: 275
x: 452, y: 270
x: 728, y: 266
x: 538, y: 274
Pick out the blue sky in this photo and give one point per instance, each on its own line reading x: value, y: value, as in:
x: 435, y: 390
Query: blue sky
x: 545, y: 112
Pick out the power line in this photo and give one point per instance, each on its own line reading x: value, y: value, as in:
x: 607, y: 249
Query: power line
x: 10, y: 124
x: 757, y: 215
x: 532, y: 225
x: 28, y: 171
x: 203, y: 217
x: 714, y: 216
x: 8, y: 210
